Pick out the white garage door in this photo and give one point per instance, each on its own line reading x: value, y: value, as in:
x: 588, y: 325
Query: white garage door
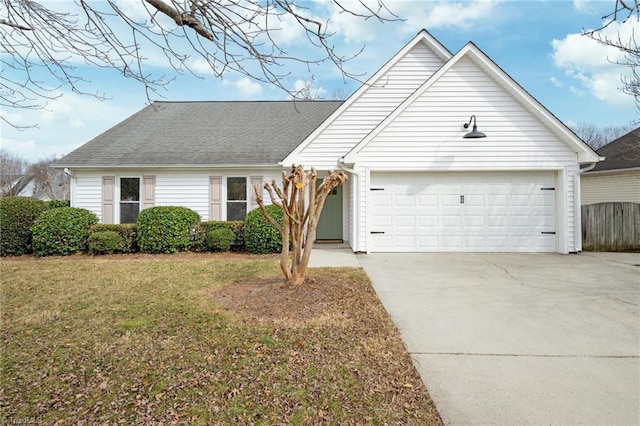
x: 474, y: 212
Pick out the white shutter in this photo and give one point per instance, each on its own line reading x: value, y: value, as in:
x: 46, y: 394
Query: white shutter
x: 108, y: 195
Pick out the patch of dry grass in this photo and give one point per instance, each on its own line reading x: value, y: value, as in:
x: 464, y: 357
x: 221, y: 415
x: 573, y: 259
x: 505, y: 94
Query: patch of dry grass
x: 197, y: 339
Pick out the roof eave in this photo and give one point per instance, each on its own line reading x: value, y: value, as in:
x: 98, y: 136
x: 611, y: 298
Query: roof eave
x: 423, y: 36
x: 166, y: 166
x: 623, y: 170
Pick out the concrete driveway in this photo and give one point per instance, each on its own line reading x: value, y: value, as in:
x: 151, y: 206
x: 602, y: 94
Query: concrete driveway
x: 519, y: 338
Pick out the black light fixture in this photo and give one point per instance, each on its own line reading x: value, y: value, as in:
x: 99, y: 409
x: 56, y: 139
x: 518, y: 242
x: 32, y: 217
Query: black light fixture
x: 474, y: 133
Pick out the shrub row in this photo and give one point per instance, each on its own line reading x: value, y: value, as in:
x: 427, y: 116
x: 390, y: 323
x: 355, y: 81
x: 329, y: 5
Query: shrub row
x: 17, y: 215
x: 62, y: 231
x: 29, y: 225
x: 260, y: 235
x: 125, y: 242
x: 202, y: 236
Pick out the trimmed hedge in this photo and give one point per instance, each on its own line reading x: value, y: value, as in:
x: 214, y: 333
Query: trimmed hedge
x: 166, y: 229
x: 17, y: 215
x: 126, y: 230
x: 260, y: 236
x: 106, y: 242
x: 220, y: 239
x: 62, y: 231
x: 56, y: 204
x: 199, y: 241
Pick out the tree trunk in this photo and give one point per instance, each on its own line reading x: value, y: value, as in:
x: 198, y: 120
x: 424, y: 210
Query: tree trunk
x: 300, y: 216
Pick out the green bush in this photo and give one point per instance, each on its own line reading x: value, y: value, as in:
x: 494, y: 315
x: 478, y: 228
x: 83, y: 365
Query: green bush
x: 261, y: 236
x: 126, y: 230
x: 56, y: 204
x: 199, y: 241
x: 166, y: 229
x: 220, y: 239
x: 62, y: 231
x: 17, y: 214
x: 106, y: 242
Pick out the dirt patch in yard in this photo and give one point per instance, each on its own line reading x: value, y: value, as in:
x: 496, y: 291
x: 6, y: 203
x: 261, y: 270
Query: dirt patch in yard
x: 339, y: 311
x: 273, y: 300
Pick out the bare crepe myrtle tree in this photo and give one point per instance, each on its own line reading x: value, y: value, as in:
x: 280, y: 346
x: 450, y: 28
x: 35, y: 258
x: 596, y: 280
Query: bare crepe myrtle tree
x: 624, y: 10
x: 43, y: 44
x: 301, y: 201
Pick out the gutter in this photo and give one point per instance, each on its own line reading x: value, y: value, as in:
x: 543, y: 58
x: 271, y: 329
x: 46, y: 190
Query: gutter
x: 577, y: 204
x: 590, y: 166
x: 355, y: 203
x: 167, y: 166
x: 341, y: 165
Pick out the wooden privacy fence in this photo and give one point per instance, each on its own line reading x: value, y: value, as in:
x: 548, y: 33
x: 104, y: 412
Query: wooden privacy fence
x: 611, y: 227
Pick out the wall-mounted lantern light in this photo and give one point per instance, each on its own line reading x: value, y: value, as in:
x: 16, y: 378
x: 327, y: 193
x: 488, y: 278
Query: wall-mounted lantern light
x: 474, y: 133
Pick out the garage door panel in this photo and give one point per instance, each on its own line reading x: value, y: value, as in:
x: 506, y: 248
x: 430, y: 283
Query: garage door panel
x: 427, y: 200
x: 385, y: 221
x: 500, y: 211
x: 382, y: 200
x: 429, y: 242
x: 451, y: 221
x: 404, y: 201
x: 405, y: 242
x: 447, y: 200
x: 428, y: 221
x: 495, y: 200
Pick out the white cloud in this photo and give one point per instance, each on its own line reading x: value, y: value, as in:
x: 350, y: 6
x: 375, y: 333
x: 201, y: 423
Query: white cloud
x: 353, y: 28
x: 32, y: 151
x: 591, y: 64
x: 443, y: 13
x: 576, y: 91
x: 65, y: 124
x: 134, y: 9
x: 581, y: 5
x: 246, y: 87
x: 284, y: 29
x: 315, y: 92
x: 556, y: 82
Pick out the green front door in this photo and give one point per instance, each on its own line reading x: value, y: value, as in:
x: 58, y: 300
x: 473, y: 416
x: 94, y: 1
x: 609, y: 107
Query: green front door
x: 330, y: 223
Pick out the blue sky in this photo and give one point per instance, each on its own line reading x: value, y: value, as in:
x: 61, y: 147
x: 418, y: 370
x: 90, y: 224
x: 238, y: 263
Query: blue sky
x: 538, y: 43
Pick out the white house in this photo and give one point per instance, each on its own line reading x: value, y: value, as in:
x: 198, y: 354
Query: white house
x: 416, y: 183
x: 617, y: 178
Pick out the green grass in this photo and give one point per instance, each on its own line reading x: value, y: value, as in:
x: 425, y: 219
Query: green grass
x: 139, y: 339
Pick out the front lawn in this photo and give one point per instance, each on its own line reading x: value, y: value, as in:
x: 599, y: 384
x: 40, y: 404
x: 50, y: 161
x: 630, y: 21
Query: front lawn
x: 198, y: 339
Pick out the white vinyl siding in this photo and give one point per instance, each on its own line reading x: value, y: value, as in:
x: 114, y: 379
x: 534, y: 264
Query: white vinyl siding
x: 428, y: 133
x: 187, y: 188
x: 88, y: 192
x: 382, y: 97
x: 610, y: 187
x: 350, y: 201
x: 427, y: 136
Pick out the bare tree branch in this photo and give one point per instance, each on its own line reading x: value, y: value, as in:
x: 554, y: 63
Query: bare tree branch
x: 44, y: 45
x: 624, y: 9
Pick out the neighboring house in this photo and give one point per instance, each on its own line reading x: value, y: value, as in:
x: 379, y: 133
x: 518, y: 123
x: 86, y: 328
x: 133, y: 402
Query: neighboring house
x: 17, y: 185
x: 617, y: 178
x: 415, y: 182
x: 26, y: 186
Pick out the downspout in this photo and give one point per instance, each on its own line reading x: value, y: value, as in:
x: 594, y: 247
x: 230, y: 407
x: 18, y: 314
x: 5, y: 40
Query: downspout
x: 356, y: 202
x: 72, y: 186
x: 577, y: 195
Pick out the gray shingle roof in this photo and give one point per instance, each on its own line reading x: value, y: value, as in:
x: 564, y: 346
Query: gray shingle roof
x: 622, y: 153
x: 204, y: 134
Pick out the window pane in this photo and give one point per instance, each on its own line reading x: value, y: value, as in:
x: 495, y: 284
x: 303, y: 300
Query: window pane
x: 236, y: 188
x: 129, y: 212
x: 236, y: 210
x: 130, y: 189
